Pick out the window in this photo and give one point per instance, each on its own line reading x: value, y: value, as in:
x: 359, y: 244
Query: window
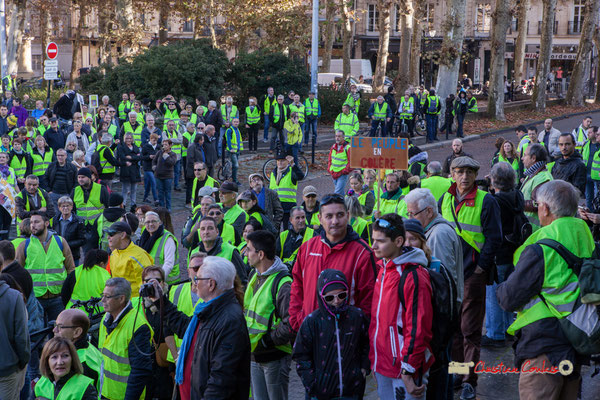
x: 372, y: 18
x: 483, y: 17
x: 578, y: 14
x: 188, y: 26
x: 428, y: 18
x: 398, y: 24
x: 36, y: 62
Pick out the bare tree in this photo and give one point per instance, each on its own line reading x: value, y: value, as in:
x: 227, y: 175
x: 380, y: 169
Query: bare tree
x: 383, y: 24
x: 404, y: 56
x: 211, y: 23
x: 597, y: 43
x: 75, y: 59
x: 538, y: 100
x: 163, y: 22
x: 415, y: 46
x: 449, y: 62
x: 330, y: 11
x: 500, y: 23
x: 519, y: 55
x: 575, y: 94
x: 15, y: 34
x: 346, y: 38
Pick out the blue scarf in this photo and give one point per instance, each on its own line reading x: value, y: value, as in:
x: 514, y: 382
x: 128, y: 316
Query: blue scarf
x: 187, y: 340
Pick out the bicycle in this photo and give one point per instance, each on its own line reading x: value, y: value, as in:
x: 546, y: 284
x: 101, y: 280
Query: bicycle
x: 271, y: 164
x: 225, y: 171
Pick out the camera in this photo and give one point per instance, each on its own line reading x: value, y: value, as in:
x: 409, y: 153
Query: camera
x: 147, y: 290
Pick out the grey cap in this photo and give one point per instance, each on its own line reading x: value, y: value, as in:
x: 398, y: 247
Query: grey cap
x: 465, y: 162
x: 206, y: 191
x: 309, y: 190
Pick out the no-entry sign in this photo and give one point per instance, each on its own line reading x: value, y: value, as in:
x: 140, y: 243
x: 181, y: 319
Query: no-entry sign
x: 51, y: 51
x: 379, y: 153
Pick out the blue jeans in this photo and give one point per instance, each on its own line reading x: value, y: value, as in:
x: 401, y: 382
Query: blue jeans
x: 310, y: 125
x: 150, y: 184
x: 164, y: 192
x: 496, y: 319
x: 270, y: 380
x: 460, y: 118
x: 432, y: 122
x: 234, y: 165
x: 177, y: 172
x: 590, y: 192
x: 389, y: 388
x: 266, y: 132
x: 293, y: 150
x: 340, y: 184
x: 128, y: 188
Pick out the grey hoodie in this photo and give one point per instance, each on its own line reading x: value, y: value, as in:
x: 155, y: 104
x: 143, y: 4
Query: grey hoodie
x: 14, y: 335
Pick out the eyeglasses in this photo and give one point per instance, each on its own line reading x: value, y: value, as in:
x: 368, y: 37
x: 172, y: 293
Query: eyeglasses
x: 411, y: 215
x: 105, y: 296
x: 330, y: 297
x: 149, y: 279
x: 196, y: 279
x: 199, y: 169
x: 61, y: 327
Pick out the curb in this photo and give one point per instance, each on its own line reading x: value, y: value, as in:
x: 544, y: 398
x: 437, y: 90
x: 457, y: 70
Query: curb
x: 471, y: 138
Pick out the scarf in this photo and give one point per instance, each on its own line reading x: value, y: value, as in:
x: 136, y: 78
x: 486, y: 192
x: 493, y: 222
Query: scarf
x: 187, y: 340
x: 147, y: 241
x: 535, y: 168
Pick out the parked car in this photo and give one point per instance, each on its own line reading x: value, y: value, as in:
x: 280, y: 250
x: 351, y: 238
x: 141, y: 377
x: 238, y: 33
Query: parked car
x: 325, y: 79
x: 387, y: 82
x: 40, y: 83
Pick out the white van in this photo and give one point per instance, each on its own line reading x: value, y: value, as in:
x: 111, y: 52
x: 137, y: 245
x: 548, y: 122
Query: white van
x: 325, y: 79
x: 358, y: 67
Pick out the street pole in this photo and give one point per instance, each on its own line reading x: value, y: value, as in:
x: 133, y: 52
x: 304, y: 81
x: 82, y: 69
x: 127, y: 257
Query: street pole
x: 3, y: 59
x: 314, y: 61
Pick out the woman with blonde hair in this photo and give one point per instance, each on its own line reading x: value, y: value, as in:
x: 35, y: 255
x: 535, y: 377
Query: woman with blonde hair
x: 62, y: 373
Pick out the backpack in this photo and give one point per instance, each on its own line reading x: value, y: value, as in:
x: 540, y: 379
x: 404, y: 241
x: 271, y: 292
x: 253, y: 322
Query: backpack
x: 582, y: 326
x: 446, y: 309
x: 522, y: 229
x: 54, y: 236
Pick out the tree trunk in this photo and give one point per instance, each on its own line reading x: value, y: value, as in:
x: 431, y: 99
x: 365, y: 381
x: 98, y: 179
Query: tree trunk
x: 330, y: 9
x: 538, y: 100
x: 211, y: 23
x: 45, y: 32
x: 105, y: 28
x: 500, y: 24
x: 346, y: 41
x: 383, y: 24
x: 597, y: 43
x: 519, y: 54
x: 453, y: 30
x: 125, y: 18
x: 15, y: 34
x: 402, y: 80
x: 75, y: 59
x: 575, y: 94
x: 163, y: 22
x: 414, y: 71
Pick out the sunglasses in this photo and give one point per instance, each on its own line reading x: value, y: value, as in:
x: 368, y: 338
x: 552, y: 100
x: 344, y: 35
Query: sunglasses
x: 332, y: 198
x: 199, y: 169
x: 215, y: 213
x: 330, y: 297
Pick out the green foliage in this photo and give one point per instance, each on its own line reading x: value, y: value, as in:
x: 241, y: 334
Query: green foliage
x: 252, y: 74
x: 187, y: 68
x: 39, y: 94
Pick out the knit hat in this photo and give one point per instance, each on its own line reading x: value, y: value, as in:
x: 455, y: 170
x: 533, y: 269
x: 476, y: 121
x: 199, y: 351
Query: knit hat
x: 414, y: 226
x: 85, y: 172
x: 115, y: 200
x: 11, y: 120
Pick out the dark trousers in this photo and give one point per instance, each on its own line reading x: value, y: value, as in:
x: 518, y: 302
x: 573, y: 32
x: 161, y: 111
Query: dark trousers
x: 253, y: 137
x: 432, y: 122
x: 460, y: 118
x: 375, y: 124
x: 189, y: 183
x: 410, y: 126
x: 390, y: 126
x: 448, y: 120
x: 467, y: 342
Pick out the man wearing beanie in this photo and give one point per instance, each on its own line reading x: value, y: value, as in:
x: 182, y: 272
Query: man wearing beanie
x: 90, y: 198
x: 110, y: 215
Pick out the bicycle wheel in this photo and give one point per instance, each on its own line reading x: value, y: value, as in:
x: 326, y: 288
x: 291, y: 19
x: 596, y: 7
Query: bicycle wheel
x: 303, y: 164
x: 268, y: 167
x: 224, y: 172
x: 420, y: 128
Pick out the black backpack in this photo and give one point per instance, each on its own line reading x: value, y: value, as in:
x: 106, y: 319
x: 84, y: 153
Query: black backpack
x: 446, y: 308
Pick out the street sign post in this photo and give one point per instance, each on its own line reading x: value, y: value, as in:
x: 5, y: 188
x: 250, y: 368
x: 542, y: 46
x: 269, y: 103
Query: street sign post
x: 50, y: 67
x: 51, y: 51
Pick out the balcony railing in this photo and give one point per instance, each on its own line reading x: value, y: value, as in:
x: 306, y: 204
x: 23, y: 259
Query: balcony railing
x: 540, y: 24
x: 575, y: 27
x: 481, y: 32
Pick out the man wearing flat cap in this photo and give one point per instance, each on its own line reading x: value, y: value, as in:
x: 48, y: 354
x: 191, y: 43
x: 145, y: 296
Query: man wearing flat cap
x: 475, y: 216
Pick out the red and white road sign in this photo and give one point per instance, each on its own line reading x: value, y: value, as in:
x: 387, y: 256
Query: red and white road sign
x: 51, y: 51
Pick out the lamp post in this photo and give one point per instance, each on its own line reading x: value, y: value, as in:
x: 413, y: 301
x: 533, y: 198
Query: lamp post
x: 314, y: 49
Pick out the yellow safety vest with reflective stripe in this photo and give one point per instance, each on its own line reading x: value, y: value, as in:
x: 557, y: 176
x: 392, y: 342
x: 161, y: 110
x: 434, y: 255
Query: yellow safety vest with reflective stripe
x: 175, y: 148
x: 405, y: 106
x: 380, y: 111
x: 514, y: 164
x: 433, y: 103
x: 395, y: 205
x: 585, y: 154
x: 353, y: 104
x: 107, y: 168
x: 10, y: 85
x: 286, y: 189
x: 233, y: 114
x: 92, y: 357
x: 339, y: 159
x: 137, y: 133
x: 115, y: 353
x: 47, y: 269
x: 438, y: 185
x: 472, y: 105
x: 73, y: 389
x: 141, y: 117
x: 359, y: 225
x: 88, y: 283
x: 561, y: 286
x: 527, y: 188
x: 190, y: 138
x: 226, y: 251
x: 259, y: 310
x: 308, y: 234
x: 267, y: 104
x: 158, y: 254
x: 233, y: 214
x: 25, y: 197
x: 362, y: 199
x: 210, y: 182
x: 252, y: 116
x: 311, y: 108
x: 19, y: 166
x: 299, y: 109
x: 170, y: 115
x: 347, y: 124
x: 469, y: 218
x: 124, y: 105
x: 234, y: 140
x: 276, y: 112
x: 92, y: 208
x: 181, y: 297
x: 40, y: 164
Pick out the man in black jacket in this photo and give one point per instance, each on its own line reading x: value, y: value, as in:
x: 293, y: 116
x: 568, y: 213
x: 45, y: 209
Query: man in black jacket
x: 390, y: 99
x: 457, y: 151
x: 55, y: 137
x: 570, y: 166
x: 13, y: 268
x: 219, y: 348
x: 61, y: 177
x: 210, y: 148
x: 70, y: 227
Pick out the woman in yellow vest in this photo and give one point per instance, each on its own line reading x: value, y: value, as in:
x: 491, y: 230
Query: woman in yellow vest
x: 251, y: 226
x: 365, y: 196
x: 42, y: 156
x: 508, y: 154
x: 87, y: 280
x: 249, y: 203
x: 62, y: 373
x: 360, y: 225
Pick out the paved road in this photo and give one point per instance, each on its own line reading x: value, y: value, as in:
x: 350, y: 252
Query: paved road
x: 490, y: 386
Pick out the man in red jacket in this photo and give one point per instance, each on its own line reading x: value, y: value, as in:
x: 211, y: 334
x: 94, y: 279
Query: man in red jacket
x: 338, y: 247
x: 339, y: 162
x: 400, y: 330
